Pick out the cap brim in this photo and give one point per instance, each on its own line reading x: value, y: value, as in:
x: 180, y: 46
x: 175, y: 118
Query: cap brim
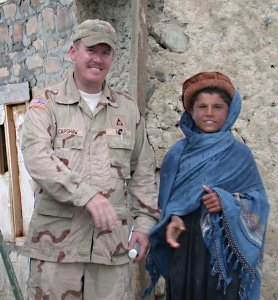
x: 98, y: 39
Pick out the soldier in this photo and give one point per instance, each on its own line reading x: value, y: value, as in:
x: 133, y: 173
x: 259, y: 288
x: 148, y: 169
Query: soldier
x: 85, y: 147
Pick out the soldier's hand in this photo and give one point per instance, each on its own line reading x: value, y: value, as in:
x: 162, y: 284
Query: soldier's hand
x: 173, y: 230
x: 211, y: 200
x: 143, y: 240
x: 104, y: 215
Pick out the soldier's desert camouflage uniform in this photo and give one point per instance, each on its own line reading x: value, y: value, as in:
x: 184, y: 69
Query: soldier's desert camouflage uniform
x: 72, y: 154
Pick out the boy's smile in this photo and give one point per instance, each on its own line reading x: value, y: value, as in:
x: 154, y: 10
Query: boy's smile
x: 209, y: 112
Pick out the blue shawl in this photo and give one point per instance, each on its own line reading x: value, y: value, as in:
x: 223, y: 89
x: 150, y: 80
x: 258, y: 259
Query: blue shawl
x: 228, y: 167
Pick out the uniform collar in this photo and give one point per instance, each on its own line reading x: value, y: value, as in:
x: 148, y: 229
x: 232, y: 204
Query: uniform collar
x: 69, y: 94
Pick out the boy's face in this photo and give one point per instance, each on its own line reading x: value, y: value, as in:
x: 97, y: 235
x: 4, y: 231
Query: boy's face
x: 209, y: 112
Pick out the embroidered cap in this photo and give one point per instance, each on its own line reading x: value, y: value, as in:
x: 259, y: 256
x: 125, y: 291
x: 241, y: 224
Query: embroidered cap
x: 205, y: 80
x: 93, y: 32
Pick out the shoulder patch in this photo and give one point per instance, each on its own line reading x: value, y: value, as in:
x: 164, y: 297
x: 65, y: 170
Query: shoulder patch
x: 38, y: 102
x: 119, y: 121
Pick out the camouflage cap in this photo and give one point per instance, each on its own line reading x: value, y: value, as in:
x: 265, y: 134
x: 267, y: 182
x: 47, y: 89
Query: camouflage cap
x: 93, y: 32
x: 205, y: 80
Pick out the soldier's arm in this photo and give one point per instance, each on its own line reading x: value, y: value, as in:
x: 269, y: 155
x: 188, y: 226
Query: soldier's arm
x: 143, y: 183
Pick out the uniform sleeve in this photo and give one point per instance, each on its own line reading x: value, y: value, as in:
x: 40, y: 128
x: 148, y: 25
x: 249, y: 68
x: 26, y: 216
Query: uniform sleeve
x: 143, y: 183
x: 46, y: 169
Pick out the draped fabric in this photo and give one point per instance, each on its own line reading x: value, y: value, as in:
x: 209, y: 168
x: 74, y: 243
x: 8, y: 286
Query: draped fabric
x: 227, y: 166
x: 189, y: 275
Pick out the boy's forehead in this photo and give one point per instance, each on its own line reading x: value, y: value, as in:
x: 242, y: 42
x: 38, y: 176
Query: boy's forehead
x: 206, y: 95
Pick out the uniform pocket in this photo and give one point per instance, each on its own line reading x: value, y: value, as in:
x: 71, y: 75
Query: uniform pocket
x: 120, y: 151
x: 113, y: 244
x: 71, y: 142
x: 52, y: 224
x: 69, y: 150
x: 120, y: 142
x: 55, y: 209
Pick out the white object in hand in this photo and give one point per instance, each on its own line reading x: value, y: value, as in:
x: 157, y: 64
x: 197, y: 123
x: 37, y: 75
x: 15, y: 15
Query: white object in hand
x: 132, y: 253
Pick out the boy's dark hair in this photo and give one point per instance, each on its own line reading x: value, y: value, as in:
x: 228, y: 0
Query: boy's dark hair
x: 211, y: 90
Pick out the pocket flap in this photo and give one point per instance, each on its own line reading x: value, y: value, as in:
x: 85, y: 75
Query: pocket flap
x: 73, y: 142
x: 56, y: 209
x: 116, y: 142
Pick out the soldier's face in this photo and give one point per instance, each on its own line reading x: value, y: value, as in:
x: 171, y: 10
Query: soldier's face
x: 91, y: 65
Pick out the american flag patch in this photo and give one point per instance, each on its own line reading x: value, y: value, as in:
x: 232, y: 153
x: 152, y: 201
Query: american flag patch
x: 38, y: 102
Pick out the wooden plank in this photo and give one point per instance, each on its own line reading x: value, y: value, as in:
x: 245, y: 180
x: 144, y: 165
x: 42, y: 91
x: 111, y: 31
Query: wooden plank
x: 2, y: 164
x: 2, y: 141
x: 138, y: 53
x: 10, y: 135
x: 137, y: 89
x: 25, y: 181
x: 14, y: 93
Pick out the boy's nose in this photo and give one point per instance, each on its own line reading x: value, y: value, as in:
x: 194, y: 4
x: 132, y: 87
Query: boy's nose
x: 209, y: 110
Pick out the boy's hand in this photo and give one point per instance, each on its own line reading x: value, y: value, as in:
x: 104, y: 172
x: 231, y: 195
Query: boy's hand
x: 173, y: 230
x: 211, y: 200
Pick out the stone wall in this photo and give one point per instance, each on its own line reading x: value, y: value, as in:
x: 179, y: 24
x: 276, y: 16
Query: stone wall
x: 239, y: 38
x: 35, y: 38
x: 32, y: 41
